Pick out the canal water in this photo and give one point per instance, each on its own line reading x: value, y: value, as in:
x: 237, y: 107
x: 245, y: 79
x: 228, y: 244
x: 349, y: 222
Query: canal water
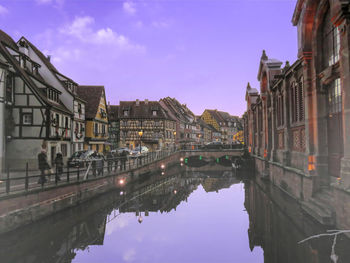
x: 203, y: 214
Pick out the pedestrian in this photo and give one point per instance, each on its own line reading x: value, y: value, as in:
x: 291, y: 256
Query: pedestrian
x: 109, y: 161
x: 94, y: 156
x: 99, y: 164
x: 44, y: 166
x: 123, y: 160
x: 115, y: 156
x: 59, y: 166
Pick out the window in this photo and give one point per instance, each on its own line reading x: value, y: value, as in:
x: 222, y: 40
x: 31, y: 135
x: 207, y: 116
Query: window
x: 96, y: 129
x: 297, y: 101
x: 64, y: 150
x: 57, y: 120
x: 154, y: 113
x: 79, y: 108
x: 335, y: 97
x: 126, y: 113
x: 103, y: 129
x: 27, y: 119
x: 331, y: 41
x: 66, y: 122
x: 9, y: 87
x: 280, y: 110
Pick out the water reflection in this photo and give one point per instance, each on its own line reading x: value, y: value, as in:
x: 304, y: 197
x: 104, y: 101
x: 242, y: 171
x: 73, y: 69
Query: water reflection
x: 187, y: 215
x: 277, y: 224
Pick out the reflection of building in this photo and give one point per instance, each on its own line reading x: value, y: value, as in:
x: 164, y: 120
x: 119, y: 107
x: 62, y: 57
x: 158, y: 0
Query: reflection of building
x: 277, y: 223
x: 215, y: 184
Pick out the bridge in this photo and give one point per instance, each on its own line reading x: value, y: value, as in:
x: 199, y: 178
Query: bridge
x: 23, y: 200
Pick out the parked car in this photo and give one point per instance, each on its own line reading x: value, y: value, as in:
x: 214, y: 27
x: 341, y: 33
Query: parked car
x: 76, y: 159
x: 122, y: 149
x: 80, y: 158
x: 136, y: 151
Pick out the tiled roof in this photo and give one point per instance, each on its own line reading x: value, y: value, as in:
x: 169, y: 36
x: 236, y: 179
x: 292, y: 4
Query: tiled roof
x: 24, y: 74
x: 143, y: 110
x: 41, y: 56
x: 113, y: 112
x: 92, y: 96
x: 6, y: 39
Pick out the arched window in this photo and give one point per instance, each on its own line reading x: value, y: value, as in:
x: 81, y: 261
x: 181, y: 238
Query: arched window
x: 330, y: 41
x: 297, y: 101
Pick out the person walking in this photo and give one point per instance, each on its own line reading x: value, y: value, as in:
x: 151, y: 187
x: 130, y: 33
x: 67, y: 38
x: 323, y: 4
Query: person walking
x: 44, y: 166
x: 59, y: 166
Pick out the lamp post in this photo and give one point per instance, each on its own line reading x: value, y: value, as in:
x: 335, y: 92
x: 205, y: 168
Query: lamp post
x: 140, y: 134
x: 174, y: 139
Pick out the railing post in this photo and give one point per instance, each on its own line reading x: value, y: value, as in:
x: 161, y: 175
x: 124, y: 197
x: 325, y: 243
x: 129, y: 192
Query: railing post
x: 56, y: 181
x: 27, y: 179
x: 78, y: 173
x: 67, y: 173
x: 8, y: 181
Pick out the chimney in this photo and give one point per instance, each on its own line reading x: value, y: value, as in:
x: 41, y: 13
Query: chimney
x: 137, y: 102
x: 48, y: 57
x: 146, y: 101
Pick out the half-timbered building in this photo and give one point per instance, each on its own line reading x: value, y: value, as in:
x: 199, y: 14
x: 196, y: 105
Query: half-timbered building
x: 145, y: 122
x: 36, y: 116
x: 66, y: 86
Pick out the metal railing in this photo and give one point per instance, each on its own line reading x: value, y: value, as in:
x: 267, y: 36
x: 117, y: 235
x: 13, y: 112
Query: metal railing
x: 26, y: 180
x: 19, y: 181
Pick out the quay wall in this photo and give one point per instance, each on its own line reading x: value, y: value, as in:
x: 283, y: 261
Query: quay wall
x: 303, y: 187
x: 27, y: 207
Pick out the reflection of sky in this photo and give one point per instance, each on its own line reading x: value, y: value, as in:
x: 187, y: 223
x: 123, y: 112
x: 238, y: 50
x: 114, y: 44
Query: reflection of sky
x: 210, y: 227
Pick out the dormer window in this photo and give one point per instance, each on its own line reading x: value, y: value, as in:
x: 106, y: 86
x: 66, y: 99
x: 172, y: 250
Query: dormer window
x: 52, y: 95
x: 154, y: 113
x: 125, y: 113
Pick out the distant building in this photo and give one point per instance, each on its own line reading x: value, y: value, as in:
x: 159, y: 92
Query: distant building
x: 145, y: 122
x: 224, y: 123
x: 96, y: 133
x: 114, y: 126
x: 186, y: 129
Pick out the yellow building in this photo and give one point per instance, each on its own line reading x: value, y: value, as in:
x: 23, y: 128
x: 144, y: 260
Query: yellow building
x: 96, y: 118
x: 212, y: 118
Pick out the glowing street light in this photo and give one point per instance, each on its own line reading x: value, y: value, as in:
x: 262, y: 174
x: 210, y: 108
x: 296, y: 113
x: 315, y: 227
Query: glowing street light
x: 121, y: 181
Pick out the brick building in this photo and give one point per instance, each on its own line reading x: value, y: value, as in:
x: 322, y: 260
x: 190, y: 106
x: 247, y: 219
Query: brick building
x: 295, y: 125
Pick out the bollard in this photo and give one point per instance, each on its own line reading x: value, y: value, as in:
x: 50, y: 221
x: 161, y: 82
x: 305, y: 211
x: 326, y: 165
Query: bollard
x: 27, y: 179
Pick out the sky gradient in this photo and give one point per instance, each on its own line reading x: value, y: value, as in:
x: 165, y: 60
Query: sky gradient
x: 203, y: 52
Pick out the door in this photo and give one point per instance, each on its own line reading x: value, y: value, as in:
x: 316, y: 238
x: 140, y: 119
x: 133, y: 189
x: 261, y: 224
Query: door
x: 335, y: 129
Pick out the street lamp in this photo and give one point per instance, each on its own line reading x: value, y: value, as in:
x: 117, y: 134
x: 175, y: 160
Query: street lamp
x: 140, y: 134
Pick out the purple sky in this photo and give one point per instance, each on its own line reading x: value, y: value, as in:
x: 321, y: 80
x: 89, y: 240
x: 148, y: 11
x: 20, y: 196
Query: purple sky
x: 203, y: 52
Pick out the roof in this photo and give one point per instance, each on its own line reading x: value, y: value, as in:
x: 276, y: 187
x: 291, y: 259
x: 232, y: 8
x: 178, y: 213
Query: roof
x: 113, y: 112
x: 92, y: 96
x: 180, y: 111
x: 144, y: 109
x: 6, y: 39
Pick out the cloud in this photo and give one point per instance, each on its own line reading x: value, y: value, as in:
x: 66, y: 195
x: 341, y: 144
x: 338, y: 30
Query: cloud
x: 82, y: 29
x: 3, y: 10
x: 129, y: 255
x: 160, y: 24
x: 129, y: 8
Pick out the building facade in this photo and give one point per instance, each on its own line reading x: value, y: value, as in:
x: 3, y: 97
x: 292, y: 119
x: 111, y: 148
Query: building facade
x: 96, y: 115
x: 146, y: 123
x: 34, y: 114
x: 300, y: 118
